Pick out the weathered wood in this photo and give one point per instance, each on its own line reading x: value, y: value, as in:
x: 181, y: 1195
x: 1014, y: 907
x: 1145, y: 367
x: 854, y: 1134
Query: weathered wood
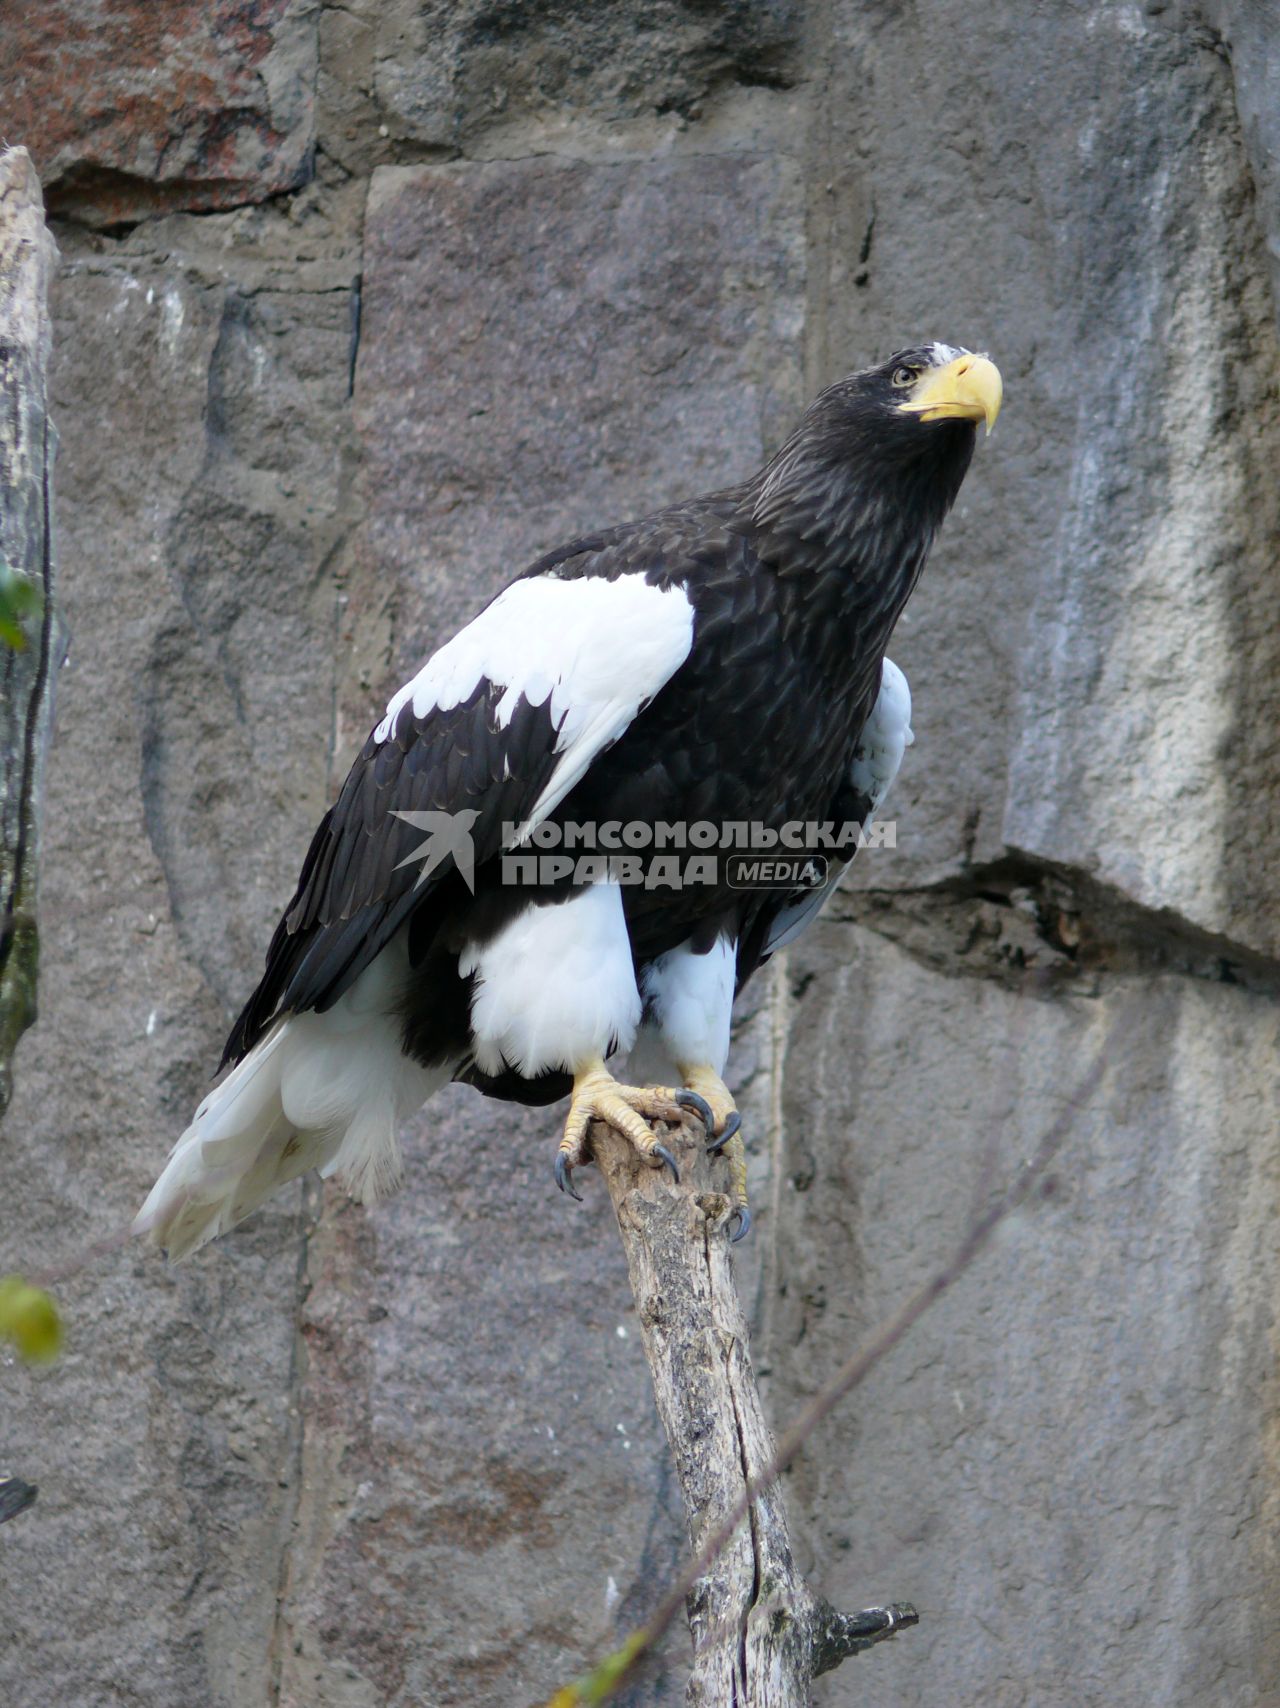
x: 750, y: 1613
x: 27, y: 258
x: 759, y: 1634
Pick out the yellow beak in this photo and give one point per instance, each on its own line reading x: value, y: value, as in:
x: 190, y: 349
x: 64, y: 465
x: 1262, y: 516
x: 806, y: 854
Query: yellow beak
x: 968, y: 389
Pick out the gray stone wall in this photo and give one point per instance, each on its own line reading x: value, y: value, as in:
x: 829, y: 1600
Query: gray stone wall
x: 362, y: 306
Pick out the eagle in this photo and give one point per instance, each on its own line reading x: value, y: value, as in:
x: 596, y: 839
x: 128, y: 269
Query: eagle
x: 630, y: 701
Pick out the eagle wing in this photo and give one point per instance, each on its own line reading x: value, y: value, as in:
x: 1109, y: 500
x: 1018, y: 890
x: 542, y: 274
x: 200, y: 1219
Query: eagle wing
x: 885, y: 737
x: 493, y: 731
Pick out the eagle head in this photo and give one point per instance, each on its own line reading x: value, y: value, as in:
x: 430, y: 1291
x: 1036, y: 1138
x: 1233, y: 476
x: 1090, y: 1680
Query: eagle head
x: 877, y: 458
x: 937, y: 382
x: 886, y: 412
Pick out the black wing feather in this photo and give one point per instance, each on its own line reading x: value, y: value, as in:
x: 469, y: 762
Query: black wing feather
x: 353, y: 894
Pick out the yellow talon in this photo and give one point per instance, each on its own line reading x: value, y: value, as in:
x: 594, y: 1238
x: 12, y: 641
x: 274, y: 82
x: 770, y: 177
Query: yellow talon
x: 709, y: 1086
x: 628, y: 1109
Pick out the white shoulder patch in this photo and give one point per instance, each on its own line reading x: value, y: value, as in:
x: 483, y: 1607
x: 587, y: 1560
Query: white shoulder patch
x: 595, y: 649
x: 886, y: 736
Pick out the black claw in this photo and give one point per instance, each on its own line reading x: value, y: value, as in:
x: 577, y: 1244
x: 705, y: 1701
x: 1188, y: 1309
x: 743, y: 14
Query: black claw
x: 700, y: 1107
x: 564, y: 1177
x: 15, y: 1496
x: 743, y: 1217
x: 730, y: 1128
x: 665, y: 1154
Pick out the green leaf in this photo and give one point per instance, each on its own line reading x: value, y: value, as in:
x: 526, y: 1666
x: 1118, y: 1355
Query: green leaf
x: 29, y: 1319
x: 599, y: 1684
x: 19, y: 598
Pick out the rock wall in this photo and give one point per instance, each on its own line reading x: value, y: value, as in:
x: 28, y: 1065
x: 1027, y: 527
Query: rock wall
x: 28, y: 642
x: 360, y: 307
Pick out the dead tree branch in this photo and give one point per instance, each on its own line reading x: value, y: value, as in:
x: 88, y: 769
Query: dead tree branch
x: 760, y: 1636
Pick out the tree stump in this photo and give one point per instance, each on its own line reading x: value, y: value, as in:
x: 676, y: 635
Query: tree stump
x: 759, y: 1634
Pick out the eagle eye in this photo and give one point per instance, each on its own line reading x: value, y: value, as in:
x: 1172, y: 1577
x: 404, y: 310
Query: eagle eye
x: 905, y: 376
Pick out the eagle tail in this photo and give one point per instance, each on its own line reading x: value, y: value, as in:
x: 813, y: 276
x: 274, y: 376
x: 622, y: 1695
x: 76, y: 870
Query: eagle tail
x: 326, y: 1091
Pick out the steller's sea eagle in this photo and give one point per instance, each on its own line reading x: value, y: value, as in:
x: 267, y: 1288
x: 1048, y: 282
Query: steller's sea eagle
x: 718, y: 663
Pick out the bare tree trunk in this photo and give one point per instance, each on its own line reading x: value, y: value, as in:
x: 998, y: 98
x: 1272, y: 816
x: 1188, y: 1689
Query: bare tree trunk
x: 27, y: 258
x: 759, y: 1634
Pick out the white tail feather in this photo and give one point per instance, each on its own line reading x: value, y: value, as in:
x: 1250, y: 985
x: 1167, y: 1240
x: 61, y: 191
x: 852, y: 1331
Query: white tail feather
x: 325, y: 1091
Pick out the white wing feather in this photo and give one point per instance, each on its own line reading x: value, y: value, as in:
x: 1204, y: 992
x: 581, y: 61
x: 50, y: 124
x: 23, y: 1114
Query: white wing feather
x: 886, y: 736
x: 596, y: 649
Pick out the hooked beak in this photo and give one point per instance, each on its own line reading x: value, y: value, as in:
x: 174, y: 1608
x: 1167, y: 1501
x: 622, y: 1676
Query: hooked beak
x: 968, y: 389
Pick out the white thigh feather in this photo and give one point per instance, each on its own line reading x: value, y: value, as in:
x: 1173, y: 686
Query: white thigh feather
x: 326, y: 1091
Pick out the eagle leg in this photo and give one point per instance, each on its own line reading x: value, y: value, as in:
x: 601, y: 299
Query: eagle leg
x: 628, y: 1109
x: 724, y: 1130
x: 736, y: 1152
x: 721, y: 1119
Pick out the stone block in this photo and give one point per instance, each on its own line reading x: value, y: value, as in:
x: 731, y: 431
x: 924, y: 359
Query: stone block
x: 446, y: 71
x: 132, y: 109
x: 550, y: 345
